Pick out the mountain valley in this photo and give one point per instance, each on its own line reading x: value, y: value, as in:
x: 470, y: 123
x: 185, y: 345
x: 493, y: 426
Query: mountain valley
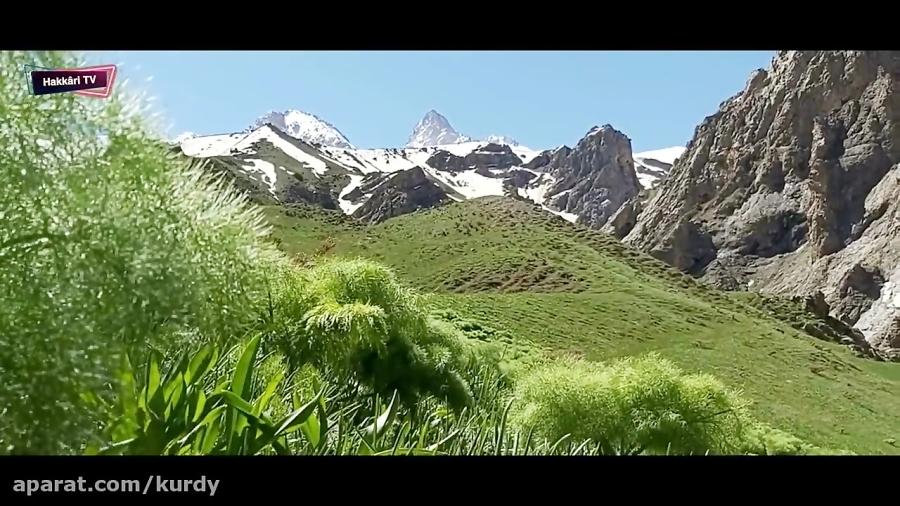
x: 784, y: 192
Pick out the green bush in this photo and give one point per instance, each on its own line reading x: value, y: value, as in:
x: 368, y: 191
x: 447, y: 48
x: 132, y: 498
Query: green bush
x: 631, y: 406
x: 353, y: 320
x: 108, y: 242
x: 764, y: 440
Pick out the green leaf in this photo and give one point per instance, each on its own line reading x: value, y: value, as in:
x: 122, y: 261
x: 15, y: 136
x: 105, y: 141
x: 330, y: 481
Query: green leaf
x: 293, y: 421
x: 175, y: 393
x: 241, y: 381
x: 152, y: 378
x: 199, y: 406
x: 311, y: 429
x: 559, y: 442
x: 212, y: 415
x: 376, y: 429
x: 406, y: 451
x: 179, y: 369
x: 323, y: 420
x: 502, y: 430
x: 263, y: 402
x: 208, y: 420
x: 156, y: 403
x: 210, y: 438
x: 199, y: 365
x: 128, y: 401
x: 423, y: 432
x: 449, y: 437
x: 581, y: 447
x: 528, y: 440
x: 280, y: 449
x: 364, y: 447
x: 295, y: 400
x: 401, y: 435
x: 241, y: 385
x: 115, y: 447
x: 236, y: 402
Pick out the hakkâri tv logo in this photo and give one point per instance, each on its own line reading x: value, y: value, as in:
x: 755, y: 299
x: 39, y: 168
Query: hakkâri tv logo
x: 96, y: 81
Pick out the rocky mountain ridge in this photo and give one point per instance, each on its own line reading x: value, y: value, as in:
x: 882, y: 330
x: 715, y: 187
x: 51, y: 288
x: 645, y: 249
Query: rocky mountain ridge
x: 792, y: 187
x: 585, y: 183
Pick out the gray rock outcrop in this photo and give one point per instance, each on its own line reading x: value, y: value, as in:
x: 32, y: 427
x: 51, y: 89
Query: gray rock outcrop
x: 593, y: 179
x: 400, y: 193
x: 793, y: 186
x: 485, y: 158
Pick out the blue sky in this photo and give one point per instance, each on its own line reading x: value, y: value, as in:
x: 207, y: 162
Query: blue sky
x: 542, y: 99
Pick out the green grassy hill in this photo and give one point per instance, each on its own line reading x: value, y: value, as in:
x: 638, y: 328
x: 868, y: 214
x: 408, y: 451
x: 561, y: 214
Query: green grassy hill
x: 563, y: 288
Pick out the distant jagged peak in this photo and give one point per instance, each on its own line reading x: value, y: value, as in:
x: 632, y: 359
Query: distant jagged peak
x: 434, y: 130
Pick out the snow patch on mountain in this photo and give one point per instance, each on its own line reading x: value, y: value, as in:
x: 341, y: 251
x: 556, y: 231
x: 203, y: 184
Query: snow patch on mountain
x: 347, y: 206
x: 210, y: 145
x: 653, y: 166
x: 267, y: 134
x: 502, y: 139
x: 537, y: 192
x: 266, y: 171
x: 183, y: 137
x: 646, y: 180
x: 304, y: 126
x: 665, y: 155
x: 373, y: 160
x: 469, y: 183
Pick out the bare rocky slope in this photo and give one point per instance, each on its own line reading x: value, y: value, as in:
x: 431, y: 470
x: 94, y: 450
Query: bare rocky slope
x: 792, y: 187
x: 591, y: 180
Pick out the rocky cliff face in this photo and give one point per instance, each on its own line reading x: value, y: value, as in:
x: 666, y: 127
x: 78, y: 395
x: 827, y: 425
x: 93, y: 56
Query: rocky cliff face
x: 792, y: 187
x: 549, y: 158
x: 399, y: 193
x: 593, y: 179
x: 488, y: 157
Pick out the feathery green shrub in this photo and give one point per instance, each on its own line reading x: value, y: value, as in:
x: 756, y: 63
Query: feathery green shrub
x: 631, y: 406
x: 355, y: 321
x: 108, y: 242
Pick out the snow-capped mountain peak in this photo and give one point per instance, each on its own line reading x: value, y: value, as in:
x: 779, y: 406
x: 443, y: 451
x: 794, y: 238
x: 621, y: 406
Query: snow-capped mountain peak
x: 434, y: 130
x: 304, y: 126
x: 502, y: 139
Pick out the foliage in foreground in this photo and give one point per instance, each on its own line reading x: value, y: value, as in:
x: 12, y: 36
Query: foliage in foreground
x: 354, y: 320
x: 181, y: 412
x: 253, y: 407
x: 640, y: 405
x: 108, y: 245
x: 187, y: 409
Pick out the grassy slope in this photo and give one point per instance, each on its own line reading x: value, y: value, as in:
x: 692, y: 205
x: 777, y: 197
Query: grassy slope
x: 571, y: 290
